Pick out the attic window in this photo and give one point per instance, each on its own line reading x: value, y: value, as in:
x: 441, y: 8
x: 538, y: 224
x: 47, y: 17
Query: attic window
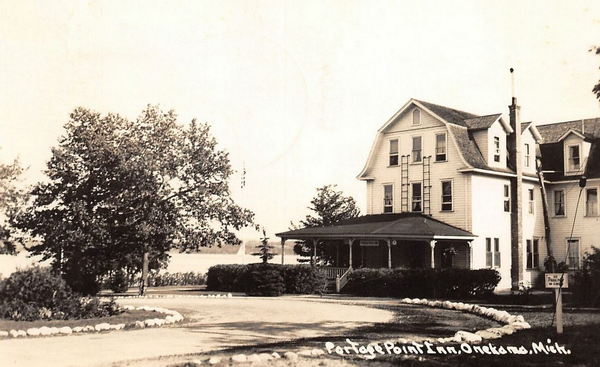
x: 496, y: 149
x: 527, y: 155
x: 416, y: 116
x: 574, y: 158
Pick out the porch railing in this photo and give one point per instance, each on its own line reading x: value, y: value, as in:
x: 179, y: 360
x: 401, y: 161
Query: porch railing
x: 333, y: 273
x: 341, y: 280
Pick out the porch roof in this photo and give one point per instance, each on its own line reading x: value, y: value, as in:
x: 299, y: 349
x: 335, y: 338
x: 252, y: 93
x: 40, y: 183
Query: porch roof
x: 399, y: 225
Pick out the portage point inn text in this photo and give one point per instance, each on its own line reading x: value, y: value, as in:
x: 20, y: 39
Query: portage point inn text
x: 447, y: 188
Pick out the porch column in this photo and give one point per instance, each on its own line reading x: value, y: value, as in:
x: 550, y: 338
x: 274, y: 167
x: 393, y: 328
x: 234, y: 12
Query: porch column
x: 470, y: 244
x: 389, y: 244
x: 282, y: 244
x: 350, y: 242
x: 432, y: 244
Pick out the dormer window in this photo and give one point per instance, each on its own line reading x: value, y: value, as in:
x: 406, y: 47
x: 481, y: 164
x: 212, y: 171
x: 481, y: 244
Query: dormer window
x: 574, y: 158
x: 496, y: 149
x: 416, y: 117
x: 440, y: 147
x: 394, y: 152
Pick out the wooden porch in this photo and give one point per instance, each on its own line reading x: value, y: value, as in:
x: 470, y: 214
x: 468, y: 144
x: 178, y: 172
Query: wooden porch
x: 405, y: 240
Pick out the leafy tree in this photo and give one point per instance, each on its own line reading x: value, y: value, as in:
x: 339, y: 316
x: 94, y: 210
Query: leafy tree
x: 120, y: 194
x: 11, y: 199
x: 329, y: 206
x: 264, y: 249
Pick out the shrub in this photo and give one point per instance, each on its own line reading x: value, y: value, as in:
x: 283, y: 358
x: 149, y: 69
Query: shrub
x: 422, y: 283
x: 298, y: 279
x: 118, y: 282
x: 165, y: 279
x: 264, y: 280
x: 36, y: 293
x: 586, y: 291
x: 225, y: 278
x: 156, y: 279
x: 303, y: 279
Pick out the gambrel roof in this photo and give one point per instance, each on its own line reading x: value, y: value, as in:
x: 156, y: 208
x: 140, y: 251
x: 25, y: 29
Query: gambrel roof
x: 461, y: 126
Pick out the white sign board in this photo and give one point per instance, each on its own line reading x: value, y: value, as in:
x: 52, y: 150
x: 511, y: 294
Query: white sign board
x: 369, y: 243
x: 553, y: 280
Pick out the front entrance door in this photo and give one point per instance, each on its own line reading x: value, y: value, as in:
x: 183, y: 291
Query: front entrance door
x: 371, y: 254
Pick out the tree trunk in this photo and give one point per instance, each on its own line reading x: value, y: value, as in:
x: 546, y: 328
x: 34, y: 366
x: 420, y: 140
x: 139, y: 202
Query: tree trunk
x: 145, y: 264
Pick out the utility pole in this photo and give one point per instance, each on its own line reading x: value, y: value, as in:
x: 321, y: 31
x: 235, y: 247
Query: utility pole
x: 540, y: 175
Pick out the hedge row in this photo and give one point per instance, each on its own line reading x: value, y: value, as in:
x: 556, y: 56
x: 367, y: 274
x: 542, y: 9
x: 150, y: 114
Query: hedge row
x: 265, y: 279
x: 422, y: 283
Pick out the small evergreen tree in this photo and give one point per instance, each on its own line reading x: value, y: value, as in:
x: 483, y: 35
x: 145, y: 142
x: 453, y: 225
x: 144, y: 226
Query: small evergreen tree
x: 265, y: 251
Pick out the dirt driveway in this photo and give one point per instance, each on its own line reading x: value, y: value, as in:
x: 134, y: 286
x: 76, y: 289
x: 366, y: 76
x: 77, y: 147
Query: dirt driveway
x: 211, y: 324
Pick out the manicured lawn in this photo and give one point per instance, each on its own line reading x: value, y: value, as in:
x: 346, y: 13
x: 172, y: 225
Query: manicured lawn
x: 124, y: 318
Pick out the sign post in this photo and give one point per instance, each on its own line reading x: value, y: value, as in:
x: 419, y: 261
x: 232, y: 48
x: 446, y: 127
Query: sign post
x: 558, y: 281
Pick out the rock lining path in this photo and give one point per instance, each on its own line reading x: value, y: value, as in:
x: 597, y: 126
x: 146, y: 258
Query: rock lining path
x: 210, y: 324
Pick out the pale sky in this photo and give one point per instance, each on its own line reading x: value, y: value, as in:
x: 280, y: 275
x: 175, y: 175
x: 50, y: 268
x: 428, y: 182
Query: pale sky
x: 295, y: 90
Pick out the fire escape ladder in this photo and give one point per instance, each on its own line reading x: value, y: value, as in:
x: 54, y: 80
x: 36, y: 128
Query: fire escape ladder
x: 404, y: 183
x: 427, y: 185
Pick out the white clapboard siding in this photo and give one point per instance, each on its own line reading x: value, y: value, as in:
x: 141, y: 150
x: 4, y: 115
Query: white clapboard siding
x: 586, y: 227
x: 403, y: 130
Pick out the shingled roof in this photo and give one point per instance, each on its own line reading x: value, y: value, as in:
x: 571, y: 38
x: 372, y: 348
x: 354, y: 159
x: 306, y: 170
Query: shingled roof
x: 450, y: 115
x: 399, y: 225
x: 551, y: 133
x: 481, y: 122
x: 552, y: 147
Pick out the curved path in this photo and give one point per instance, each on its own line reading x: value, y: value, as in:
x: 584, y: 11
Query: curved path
x: 210, y: 324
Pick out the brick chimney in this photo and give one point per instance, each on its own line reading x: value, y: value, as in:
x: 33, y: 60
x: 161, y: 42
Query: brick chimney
x: 516, y: 188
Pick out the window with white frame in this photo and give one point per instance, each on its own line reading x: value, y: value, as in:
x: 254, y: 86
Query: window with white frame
x: 533, y: 254
x: 507, y: 198
x: 527, y: 156
x: 388, y: 198
x: 492, y: 252
x: 574, y: 158
x: 447, y: 195
x: 497, y: 252
x: 531, y: 201
x: 416, y: 117
x: 573, y: 253
x: 417, y: 197
x: 559, y: 203
x: 394, y: 152
x: 496, y: 149
x: 591, y: 202
x: 417, y: 149
x: 440, y: 147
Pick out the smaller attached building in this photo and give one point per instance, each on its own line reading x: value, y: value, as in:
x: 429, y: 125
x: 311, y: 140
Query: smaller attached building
x: 411, y: 240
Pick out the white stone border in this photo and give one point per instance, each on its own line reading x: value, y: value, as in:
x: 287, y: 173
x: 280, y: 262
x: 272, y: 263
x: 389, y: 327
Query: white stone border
x: 171, y: 318
x: 151, y: 296
x: 512, y: 323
